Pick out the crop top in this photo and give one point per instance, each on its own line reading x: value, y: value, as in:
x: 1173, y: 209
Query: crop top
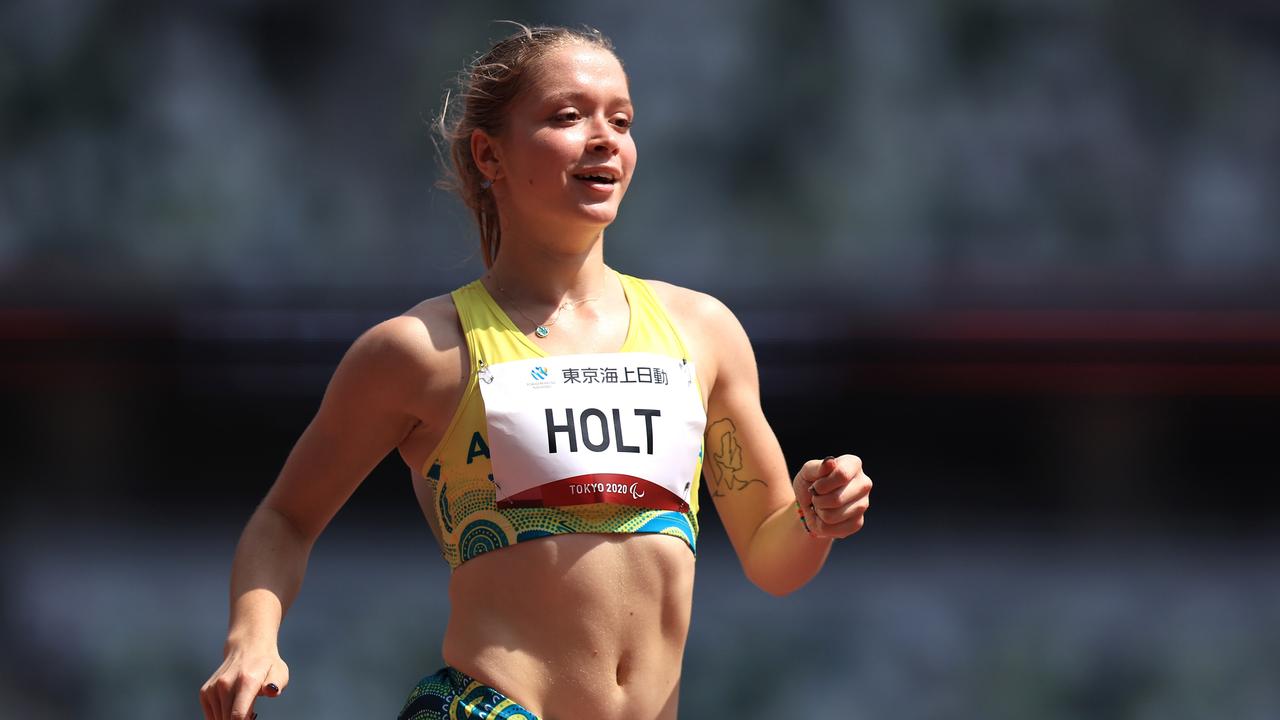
x: 593, y: 443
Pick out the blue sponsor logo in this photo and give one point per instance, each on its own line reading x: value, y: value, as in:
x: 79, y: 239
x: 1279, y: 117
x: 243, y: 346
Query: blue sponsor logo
x: 539, y: 373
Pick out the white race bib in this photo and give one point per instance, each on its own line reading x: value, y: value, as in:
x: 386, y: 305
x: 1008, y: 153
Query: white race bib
x: 622, y: 428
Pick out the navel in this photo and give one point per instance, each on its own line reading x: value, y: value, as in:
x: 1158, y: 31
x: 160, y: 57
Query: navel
x: 623, y: 672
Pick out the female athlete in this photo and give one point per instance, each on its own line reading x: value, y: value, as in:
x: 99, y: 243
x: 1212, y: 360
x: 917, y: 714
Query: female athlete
x: 558, y: 418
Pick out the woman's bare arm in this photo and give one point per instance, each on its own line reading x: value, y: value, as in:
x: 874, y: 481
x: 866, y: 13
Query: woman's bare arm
x: 368, y: 408
x: 743, y: 466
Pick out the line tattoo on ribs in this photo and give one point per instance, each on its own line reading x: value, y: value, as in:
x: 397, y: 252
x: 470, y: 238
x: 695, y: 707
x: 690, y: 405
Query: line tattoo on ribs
x: 726, y: 459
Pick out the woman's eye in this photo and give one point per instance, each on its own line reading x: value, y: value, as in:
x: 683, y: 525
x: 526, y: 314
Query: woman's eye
x: 622, y: 122
x: 568, y: 116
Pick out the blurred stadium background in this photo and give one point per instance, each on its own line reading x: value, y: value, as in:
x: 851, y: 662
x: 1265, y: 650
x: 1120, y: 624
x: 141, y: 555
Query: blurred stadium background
x: 1023, y: 257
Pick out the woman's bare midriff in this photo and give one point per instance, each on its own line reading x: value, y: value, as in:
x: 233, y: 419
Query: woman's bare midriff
x: 576, y: 626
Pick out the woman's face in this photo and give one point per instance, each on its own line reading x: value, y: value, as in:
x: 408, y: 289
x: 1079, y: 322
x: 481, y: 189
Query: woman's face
x: 566, y: 154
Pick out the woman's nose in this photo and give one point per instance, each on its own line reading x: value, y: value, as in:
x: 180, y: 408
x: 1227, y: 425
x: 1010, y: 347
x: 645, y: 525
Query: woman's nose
x: 603, y: 137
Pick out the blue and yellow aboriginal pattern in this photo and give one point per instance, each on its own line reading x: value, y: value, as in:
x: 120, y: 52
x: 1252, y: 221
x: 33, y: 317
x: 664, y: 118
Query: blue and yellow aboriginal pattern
x: 459, y: 474
x: 453, y: 695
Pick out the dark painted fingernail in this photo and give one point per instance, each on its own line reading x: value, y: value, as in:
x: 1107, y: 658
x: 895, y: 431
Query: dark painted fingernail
x: 275, y: 689
x: 829, y: 457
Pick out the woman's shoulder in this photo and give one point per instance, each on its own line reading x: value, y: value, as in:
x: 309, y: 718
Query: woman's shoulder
x: 428, y: 327
x: 698, y: 309
x: 419, y: 349
x: 708, y: 326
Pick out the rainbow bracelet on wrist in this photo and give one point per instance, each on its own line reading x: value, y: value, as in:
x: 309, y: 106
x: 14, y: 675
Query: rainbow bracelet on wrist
x: 804, y: 522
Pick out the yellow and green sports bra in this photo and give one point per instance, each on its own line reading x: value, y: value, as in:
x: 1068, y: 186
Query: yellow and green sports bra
x: 460, y: 473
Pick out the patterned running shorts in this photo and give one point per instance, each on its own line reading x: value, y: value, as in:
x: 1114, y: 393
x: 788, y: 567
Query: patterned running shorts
x: 453, y: 695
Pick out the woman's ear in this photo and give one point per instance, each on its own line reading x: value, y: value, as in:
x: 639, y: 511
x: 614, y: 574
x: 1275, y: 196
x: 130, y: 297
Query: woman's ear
x: 486, y: 154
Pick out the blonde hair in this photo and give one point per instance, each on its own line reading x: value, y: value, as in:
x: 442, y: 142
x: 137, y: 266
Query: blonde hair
x: 486, y: 89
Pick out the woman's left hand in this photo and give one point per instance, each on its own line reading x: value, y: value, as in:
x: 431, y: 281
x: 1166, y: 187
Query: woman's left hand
x: 834, y: 494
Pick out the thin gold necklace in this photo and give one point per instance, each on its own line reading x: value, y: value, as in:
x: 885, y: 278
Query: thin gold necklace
x: 542, y: 329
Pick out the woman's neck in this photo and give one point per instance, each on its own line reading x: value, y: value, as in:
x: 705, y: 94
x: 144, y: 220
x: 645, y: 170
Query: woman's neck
x: 550, y: 270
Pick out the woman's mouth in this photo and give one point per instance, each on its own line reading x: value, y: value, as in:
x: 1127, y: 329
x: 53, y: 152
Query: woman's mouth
x: 598, y: 182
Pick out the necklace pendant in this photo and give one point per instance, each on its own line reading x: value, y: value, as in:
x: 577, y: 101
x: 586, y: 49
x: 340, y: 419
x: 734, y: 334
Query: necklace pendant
x: 541, y: 331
